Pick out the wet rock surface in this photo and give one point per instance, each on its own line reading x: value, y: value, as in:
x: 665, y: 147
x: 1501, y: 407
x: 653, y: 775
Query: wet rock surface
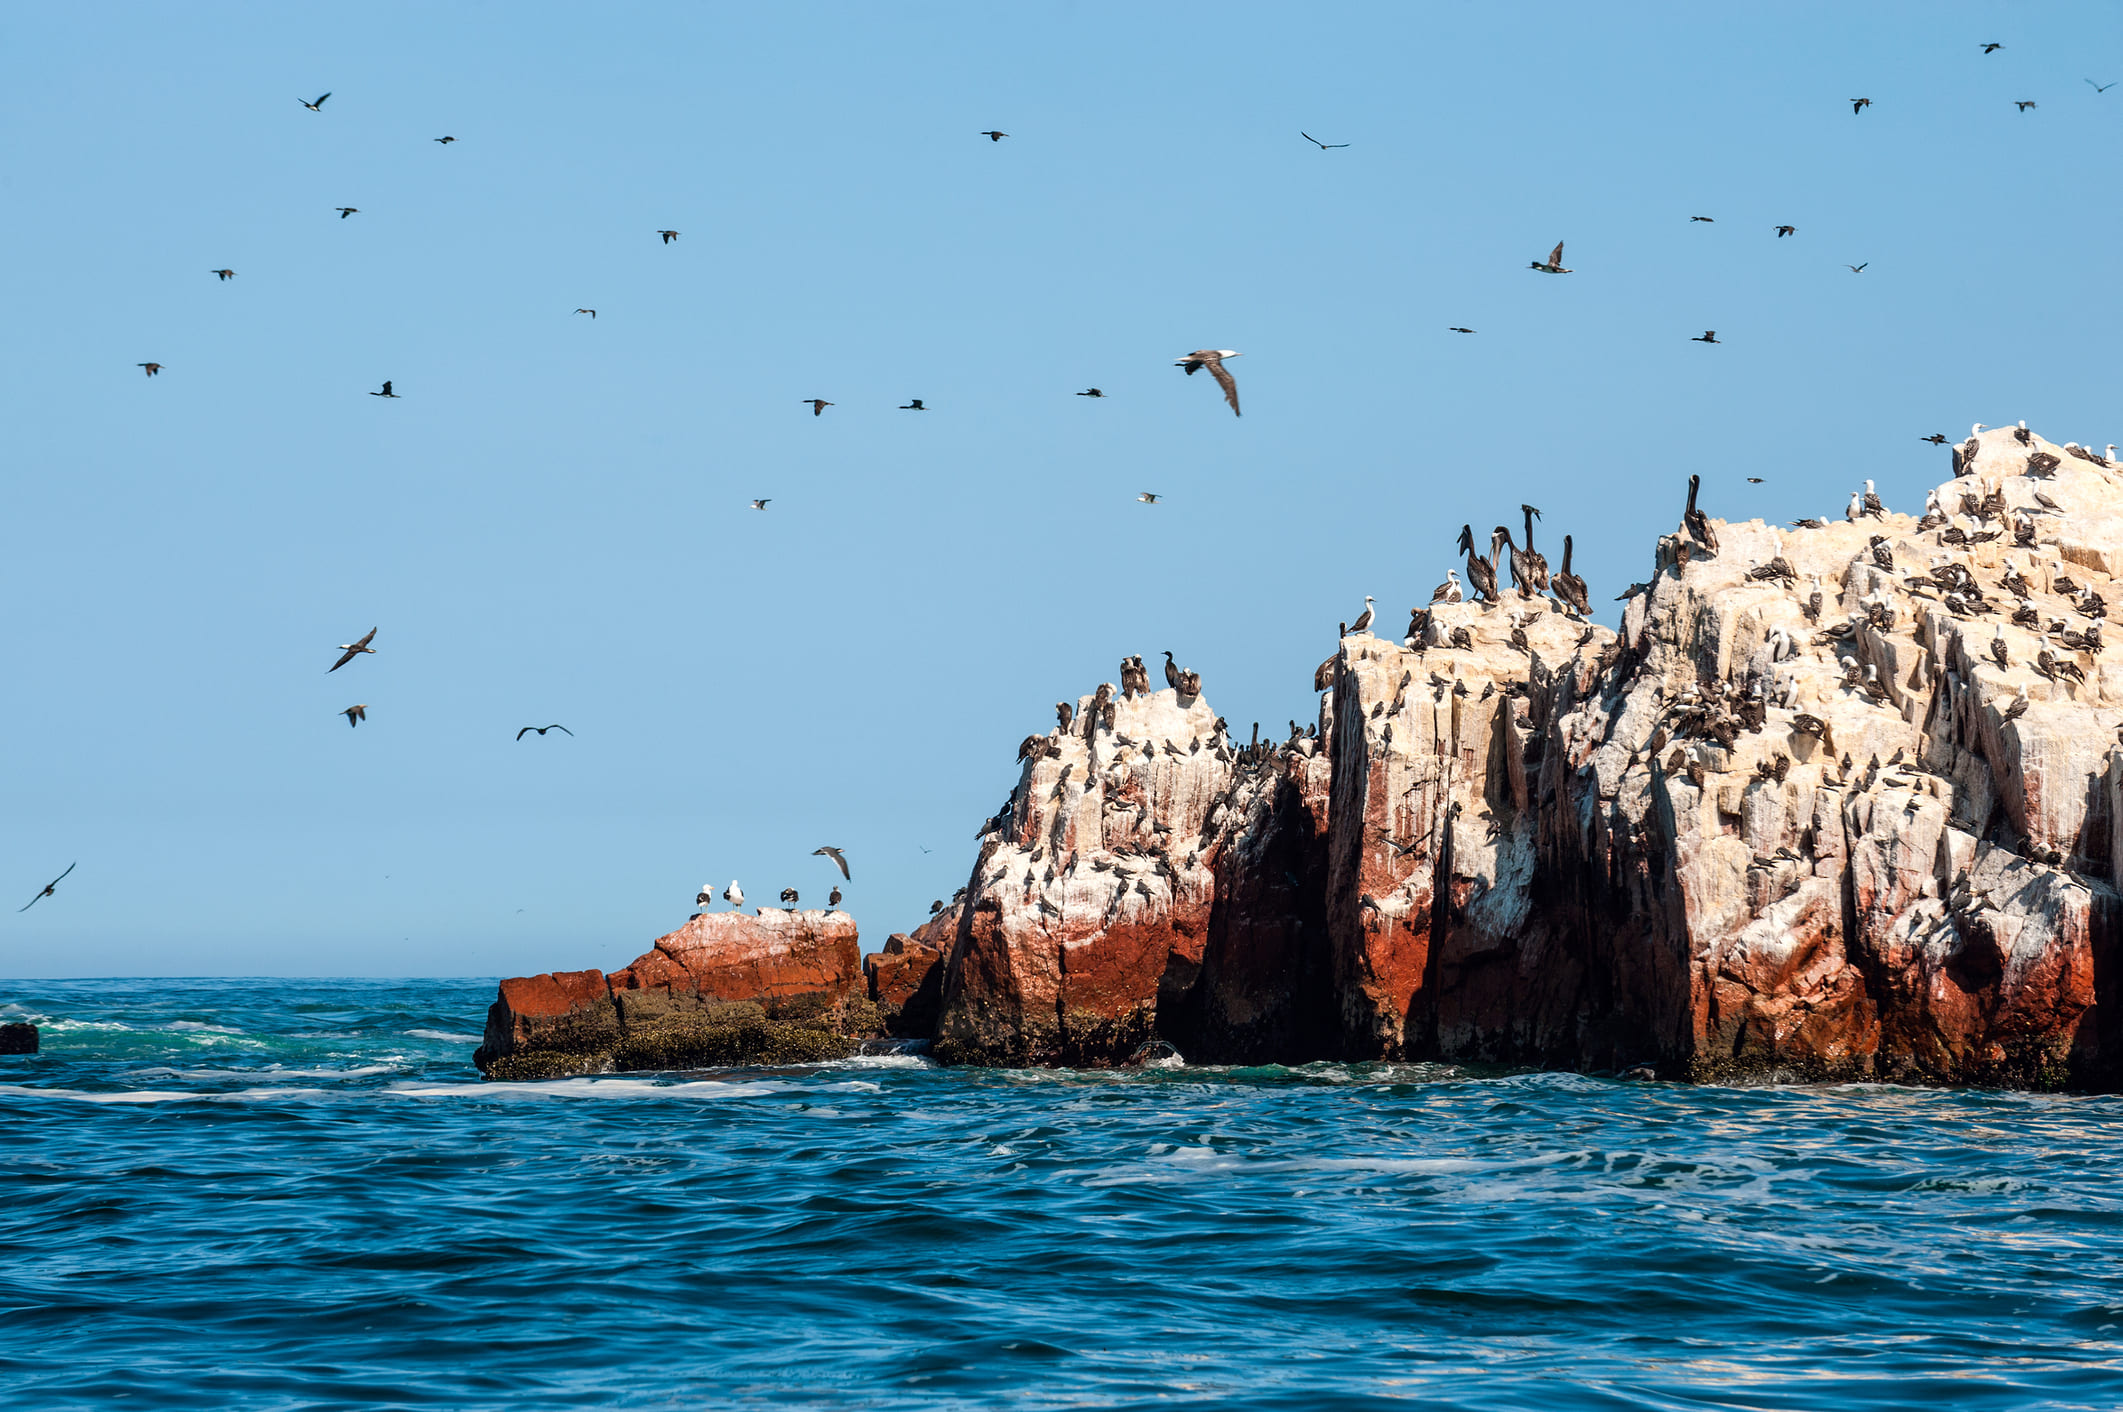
x: 18, y: 1039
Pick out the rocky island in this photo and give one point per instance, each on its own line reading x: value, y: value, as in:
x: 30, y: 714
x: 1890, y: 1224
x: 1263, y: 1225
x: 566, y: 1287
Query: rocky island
x: 1836, y: 802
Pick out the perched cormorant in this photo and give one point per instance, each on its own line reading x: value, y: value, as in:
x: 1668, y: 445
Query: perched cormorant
x: 1171, y: 673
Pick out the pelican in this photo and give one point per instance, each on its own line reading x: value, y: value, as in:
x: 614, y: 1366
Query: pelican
x: 1569, y: 587
x: 1535, y: 560
x: 1554, y: 266
x: 1213, y: 360
x: 1481, y: 573
x: 1699, y: 523
x: 733, y: 894
x: 1521, y: 569
x: 1363, y: 619
x: 1449, y: 590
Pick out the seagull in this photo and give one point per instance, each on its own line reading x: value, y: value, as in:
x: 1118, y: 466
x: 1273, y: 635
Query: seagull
x: 152, y: 368
x: 1937, y: 438
x: 2023, y: 104
x: 591, y: 312
x: 733, y: 894
x: 788, y: 898
x: 1859, y: 105
x: 668, y: 235
x: 706, y: 896
x: 46, y: 890
x: 1457, y: 329
x: 1710, y: 335
x: 355, y: 715
x: 317, y: 106
x: 1090, y: 392
x: 1323, y: 146
x: 833, y: 899
x: 386, y: 390
x: 1857, y: 269
x: 2101, y: 87
x: 761, y: 504
x: 829, y: 851
x: 1149, y: 497
x: 994, y: 136
x: 345, y: 211
x: 1707, y: 220
x: 1992, y: 48
x: 445, y: 141
x: 225, y: 275
x: 1213, y: 360
x: 1554, y: 266
x: 353, y: 650
x: 914, y: 405
x: 818, y: 405
x: 1783, y: 231
x: 556, y: 726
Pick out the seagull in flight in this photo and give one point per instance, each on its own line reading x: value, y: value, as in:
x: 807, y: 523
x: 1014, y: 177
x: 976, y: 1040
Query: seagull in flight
x: 818, y: 405
x: 1710, y: 335
x: 2102, y: 87
x: 1859, y: 105
x: 1213, y: 360
x: 1090, y: 392
x: 829, y: 851
x: 152, y: 368
x: 994, y: 136
x: 316, y: 107
x: 668, y: 235
x: 591, y: 312
x: 1857, y: 269
x: 760, y: 504
x: 1554, y: 264
x: 1323, y: 146
x: 1149, y: 497
x: 46, y: 890
x: 224, y: 275
x: 386, y: 390
x: 1783, y: 231
x: 353, y: 650
x: 556, y: 726
x: 355, y: 715
x: 345, y: 211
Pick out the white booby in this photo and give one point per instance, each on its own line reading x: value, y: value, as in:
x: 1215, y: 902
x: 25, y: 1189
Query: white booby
x: 1213, y: 360
x: 1449, y: 590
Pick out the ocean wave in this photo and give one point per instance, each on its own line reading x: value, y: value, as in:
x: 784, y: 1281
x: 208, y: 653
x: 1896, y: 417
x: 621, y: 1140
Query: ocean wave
x: 149, y: 1095
x: 603, y: 1088
x: 445, y: 1036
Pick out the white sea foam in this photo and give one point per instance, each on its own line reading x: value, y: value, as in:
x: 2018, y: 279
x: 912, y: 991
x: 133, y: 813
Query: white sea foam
x: 195, y: 1026
x: 445, y: 1036
x: 590, y: 1088
x: 150, y: 1095
x: 273, y: 1071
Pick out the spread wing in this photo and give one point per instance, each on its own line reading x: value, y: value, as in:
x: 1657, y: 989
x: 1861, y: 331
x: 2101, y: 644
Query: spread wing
x: 835, y: 855
x: 370, y: 635
x: 1222, y: 375
x: 557, y: 726
x: 1555, y: 256
x: 320, y: 99
x: 525, y: 731
x: 349, y: 656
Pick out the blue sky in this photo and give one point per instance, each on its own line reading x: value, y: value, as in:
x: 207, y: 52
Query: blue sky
x: 551, y: 522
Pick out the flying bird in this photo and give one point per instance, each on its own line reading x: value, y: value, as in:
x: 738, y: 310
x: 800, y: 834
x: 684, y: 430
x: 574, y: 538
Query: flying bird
x: 818, y: 405
x: 1706, y: 220
x: 591, y: 312
x: 1090, y: 392
x: 1149, y: 497
x: 1783, y: 231
x: 1937, y: 438
x: 1992, y: 48
x: 345, y: 211
x: 224, y: 275
x: 760, y: 504
x: 445, y: 141
x: 317, y: 106
x: 1857, y: 269
x: 1554, y: 265
x: 556, y: 726
x: 1710, y: 335
x: 2101, y: 87
x: 386, y: 390
x: 353, y: 650
x: 1457, y: 329
x: 994, y: 136
x: 913, y: 405
x: 668, y: 235
x: 1323, y: 146
x: 2023, y: 104
x: 1213, y: 360
x: 1859, y: 105
x: 46, y: 890
x: 355, y: 715
x: 152, y: 368
x: 829, y: 851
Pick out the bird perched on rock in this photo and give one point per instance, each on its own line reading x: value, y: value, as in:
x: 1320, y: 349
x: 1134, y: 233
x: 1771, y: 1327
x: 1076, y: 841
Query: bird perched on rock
x: 839, y: 859
x: 733, y: 894
x: 355, y: 715
x: 1449, y: 590
x: 1998, y: 651
x: 2022, y: 435
x: 1363, y: 619
x: 354, y: 649
x: 706, y: 896
x: 1697, y: 522
x: 788, y: 898
x: 1881, y: 555
x: 2018, y: 707
x: 1569, y: 587
x: 1213, y: 360
x: 1872, y: 503
x: 1066, y: 714
x: 833, y: 899
x: 1553, y: 265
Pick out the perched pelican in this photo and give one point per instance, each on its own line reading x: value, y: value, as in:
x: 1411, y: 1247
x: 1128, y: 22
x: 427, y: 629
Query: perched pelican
x: 1481, y: 573
x: 1213, y: 360
x: 1521, y: 569
x: 1536, y: 561
x: 733, y: 894
x: 1449, y: 590
x: 1554, y: 265
x: 1363, y: 619
x: 1569, y: 587
x: 351, y: 650
x: 1699, y: 523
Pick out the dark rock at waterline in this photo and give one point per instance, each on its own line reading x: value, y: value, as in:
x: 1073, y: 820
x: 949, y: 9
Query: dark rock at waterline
x: 18, y: 1039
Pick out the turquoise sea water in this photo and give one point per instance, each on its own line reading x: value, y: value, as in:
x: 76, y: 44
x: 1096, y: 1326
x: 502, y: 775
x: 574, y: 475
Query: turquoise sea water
x: 265, y: 1194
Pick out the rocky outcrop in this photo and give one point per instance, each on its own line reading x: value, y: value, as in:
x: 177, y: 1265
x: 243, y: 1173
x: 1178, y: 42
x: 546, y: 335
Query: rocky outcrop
x: 726, y: 988
x: 1837, y: 800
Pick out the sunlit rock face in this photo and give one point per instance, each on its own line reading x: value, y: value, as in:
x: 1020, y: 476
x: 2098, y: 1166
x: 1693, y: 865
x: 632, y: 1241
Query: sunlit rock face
x: 1755, y: 834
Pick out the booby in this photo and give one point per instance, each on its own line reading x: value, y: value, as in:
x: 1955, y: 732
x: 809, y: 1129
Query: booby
x: 1091, y: 392
x: 1481, y: 573
x: 1992, y: 48
x: 2023, y: 104
x: 1569, y: 587
x: 833, y: 899
x: 1323, y: 146
x: 1554, y: 265
x: 839, y: 860
x: 1449, y: 590
x: 2018, y: 708
x: 1456, y: 329
x: 355, y: 715
x: 1705, y: 219
x: 1856, y: 508
x: 1937, y: 438
x: 1363, y: 619
x: 1998, y: 653
x: 351, y: 650
x: 733, y: 894
x: 1699, y: 523
x: 1873, y: 507
x: 445, y: 141
x: 2022, y: 435
x: 1857, y: 269
x: 1213, y: 360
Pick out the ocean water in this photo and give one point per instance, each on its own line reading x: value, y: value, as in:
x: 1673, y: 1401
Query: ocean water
x: 263, y: 1194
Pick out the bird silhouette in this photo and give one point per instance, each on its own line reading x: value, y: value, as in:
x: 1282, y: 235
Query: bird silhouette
x: 1553, y: 265
x: 1457, y: 329
x: 994, y: 136
x: 345, y: 211
x: 445, y: 141
x: 1706, y: 220
x: 1937, y: 438
x: 1323, y: 146
x: 668, y: 235
x: 2023, y: 104
x: 1710, y: 335
x: 818, y: 405
x: 1149, y: 497
x: 1783, y: 231
x: 2102, y: 87
x: 1857, y: 269
x: 355, y: 715
x: 46, y: 890
x: 914, y: 405
x: 1090, y: 392
x: 829, y: 851
x: 556, y: 726
x: 760, y: 504
x: 591, y: 312
x: 224, y: 275
x: 152, y: 368
x: 386, y: 390
x: 354, y: 649
x: 1859, y: 105
x: 317, y: 106
x: 1992, y: 48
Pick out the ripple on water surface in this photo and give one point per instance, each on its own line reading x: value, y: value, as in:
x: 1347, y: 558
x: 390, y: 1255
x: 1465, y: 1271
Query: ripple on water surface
x: 299, y: 1195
